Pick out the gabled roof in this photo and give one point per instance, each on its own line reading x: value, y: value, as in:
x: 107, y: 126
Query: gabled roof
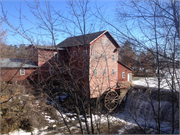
x: 17, y: 63
x: 86, y: 39
x: 124, y: 65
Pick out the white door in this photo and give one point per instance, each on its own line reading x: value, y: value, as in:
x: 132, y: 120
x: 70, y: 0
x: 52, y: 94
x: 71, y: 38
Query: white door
x: 129, y: 76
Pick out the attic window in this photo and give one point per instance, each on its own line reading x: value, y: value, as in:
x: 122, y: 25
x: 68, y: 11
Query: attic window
x: 74, y: 54
x: 105, y: 42
x: 22, y: 71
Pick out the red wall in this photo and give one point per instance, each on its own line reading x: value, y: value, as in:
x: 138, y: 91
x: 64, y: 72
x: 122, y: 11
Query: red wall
x: 121, y: 69
x: 7, y: 74
x: 80, y: 63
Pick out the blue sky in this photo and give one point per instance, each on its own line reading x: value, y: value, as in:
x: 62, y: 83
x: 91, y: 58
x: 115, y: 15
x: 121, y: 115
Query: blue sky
x: 11, y: 7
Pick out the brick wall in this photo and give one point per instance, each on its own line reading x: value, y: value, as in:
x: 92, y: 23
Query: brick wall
x: 99, y: 83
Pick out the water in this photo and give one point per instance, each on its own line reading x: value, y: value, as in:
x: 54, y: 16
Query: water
x: 139, y: 108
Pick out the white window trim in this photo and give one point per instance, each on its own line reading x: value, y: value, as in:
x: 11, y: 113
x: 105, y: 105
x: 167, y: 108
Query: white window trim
x: 55, y: 55
x: 74, y: 54
x: 113, y: 73
x: 95, y: 72
x: 123, y: 74
x: 104, y: 56
x: 113, y: 57
x: 104, y: 72
x: 22, y: 71
x: 95, y: 56
x: 105, y: 42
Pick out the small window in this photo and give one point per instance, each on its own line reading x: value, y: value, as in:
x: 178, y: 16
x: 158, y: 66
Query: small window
x: 32, y: 51
x: 83, y: 89
x: 113, y: 57
x: 74, y: 71
x: 74, y: 54
x: 95, y: 56
x: 51, y: 71
x: 123, y: 74
x: 105, y: 42
x: 112, y: 71
x: 22, y: 71
x: 83, y: 72
x: 84, y: 53
x: 55, y: 56
x: 104, y: 71
x: 104, y: 56
x: 61, y: 69
x: 95, y: 72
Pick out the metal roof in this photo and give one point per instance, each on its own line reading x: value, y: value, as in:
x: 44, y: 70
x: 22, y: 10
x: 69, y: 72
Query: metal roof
x: 17, y: 63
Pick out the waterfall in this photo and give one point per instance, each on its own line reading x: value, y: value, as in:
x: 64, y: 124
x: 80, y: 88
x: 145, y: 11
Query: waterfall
x: 144, y: 109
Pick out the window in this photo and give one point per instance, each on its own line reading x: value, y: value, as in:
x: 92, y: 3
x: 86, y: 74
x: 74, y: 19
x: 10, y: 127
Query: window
x: 74, y: 54
x: 123, y: 74
x: 113, y: 57
x: 104, y: 71
x: 84, y: 53
x: 112, y: 71
x: 51, y: 71
x: 83, y: 72
x: 74, y: 71
x: 22, y: 71
x: 95, y: 72
x: 95, y: 56
x: 104, y: 56
x: 105, y: 42
x: 83, y: 89
x: 61, y: 69
x: 32, y: 51
x: 55, y: 56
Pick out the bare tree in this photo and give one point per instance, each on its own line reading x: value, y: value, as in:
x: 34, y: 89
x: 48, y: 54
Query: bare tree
x: 58, y: 72
x: 157, y: 23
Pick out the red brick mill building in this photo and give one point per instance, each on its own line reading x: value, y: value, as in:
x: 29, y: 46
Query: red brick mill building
x: 91, y: 59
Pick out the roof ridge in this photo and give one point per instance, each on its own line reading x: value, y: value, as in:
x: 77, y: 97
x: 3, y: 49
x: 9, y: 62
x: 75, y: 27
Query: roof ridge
x: 89, y: 33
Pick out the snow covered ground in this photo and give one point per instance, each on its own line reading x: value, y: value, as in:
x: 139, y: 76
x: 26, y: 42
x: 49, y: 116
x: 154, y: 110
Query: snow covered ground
x: 96, y: 118
x: 165, y: 83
